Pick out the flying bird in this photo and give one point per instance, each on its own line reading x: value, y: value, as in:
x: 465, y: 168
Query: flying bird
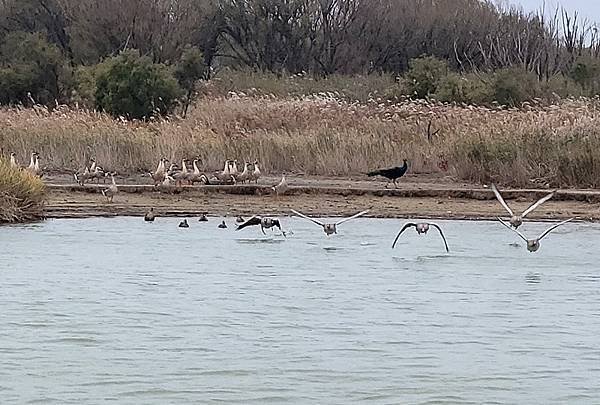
x: 330, y: 229
x: 517, y: 220
x: 534, y: 244
x: 422, y: 228
x: 391, y: 174
x: 263, y: 222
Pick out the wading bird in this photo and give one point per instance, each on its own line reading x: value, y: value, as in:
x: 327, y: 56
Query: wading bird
x: 534, y: 244
x: 517, y: 220
x: 263, y: 222
x: 330, y: 229
x: 112, y: 190
x: 391, y: 174
x: 422, y: 228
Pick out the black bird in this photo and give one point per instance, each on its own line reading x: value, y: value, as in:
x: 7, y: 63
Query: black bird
x: 203, y: 218
x: 184, y: 224
x: 222, y: 225
x: 391, y: 174
x: 149, y: 217
x: 264, y: 222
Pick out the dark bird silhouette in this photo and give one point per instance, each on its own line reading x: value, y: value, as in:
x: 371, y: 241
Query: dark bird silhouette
x: 222, y: 225
x: 149, y: 217
x: 391, y: 174
x: 263, y: 222
x: 184, y: 224
x: 422, y: 229
x: 203, y: 218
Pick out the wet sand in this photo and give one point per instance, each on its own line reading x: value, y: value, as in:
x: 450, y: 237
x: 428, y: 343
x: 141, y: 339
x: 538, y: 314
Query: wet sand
x: 417, y: 196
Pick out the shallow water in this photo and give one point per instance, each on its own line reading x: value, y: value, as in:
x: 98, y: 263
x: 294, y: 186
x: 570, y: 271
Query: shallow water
x: 120, y: 310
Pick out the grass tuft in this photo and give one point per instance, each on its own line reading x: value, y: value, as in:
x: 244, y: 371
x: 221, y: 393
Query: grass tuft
x: 21, y: 195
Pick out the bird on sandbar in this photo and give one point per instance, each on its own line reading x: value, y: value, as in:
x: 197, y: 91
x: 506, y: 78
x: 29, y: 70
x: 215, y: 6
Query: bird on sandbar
x: 184, y: 224
x: 263, y: 222
x: 222, y: 225
x: 330, y: 229
x: 392, y: 174
x: 281, y: 188
x: 533, y: 245
x: 112, y: 190
x: 517, y: 220
x: 149, y: 217
x: 422, y: 228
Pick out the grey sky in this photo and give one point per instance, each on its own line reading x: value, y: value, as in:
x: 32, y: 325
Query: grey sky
x: 589, y: 9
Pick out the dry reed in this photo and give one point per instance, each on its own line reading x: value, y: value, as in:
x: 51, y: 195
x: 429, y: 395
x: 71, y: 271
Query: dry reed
x: 557, y: 145
x: 21, y: 195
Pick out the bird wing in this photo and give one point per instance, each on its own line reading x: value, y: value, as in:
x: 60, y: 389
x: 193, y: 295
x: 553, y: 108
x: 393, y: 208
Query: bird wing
x: 309, y: 218
x: 512, y: 229
x: 404, y: 228
x: 553, y: 227
x: 436, y: 226
x: 255, y: 220
x: 360, y: 214
x: 538, y: 203
x: 499, y: 197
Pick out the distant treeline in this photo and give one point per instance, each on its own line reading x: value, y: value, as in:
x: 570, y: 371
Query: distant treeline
x: 49, y: 48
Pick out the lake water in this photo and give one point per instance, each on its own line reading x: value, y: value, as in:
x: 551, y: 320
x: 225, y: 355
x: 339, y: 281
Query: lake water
x: 102, y: 310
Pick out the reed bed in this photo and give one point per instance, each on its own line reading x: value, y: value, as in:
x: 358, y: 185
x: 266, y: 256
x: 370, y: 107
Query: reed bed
x: 553, y: 145
x: 21, y: 195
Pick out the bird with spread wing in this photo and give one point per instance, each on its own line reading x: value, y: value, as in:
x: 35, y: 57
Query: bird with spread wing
x: 330, y: 229
x: 422, y: 228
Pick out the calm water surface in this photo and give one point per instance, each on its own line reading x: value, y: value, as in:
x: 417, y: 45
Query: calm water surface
x: 119, y: 310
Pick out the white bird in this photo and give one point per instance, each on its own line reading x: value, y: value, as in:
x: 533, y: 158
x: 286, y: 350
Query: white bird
x: 517, y: 220
x: 281, y: 188
x: 112, y: 190
x: 422, y: 228
x: 330, y: 229
x: 534, y: 244
x: 255, y: 175
x: 32, y: 160
x: 13, y: 161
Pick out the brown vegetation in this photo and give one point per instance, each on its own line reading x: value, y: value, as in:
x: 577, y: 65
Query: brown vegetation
x: 556, y: 145
x: 21, y: 194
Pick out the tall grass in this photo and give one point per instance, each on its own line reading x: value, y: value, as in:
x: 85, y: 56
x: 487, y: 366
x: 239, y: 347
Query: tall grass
x: 556, y: 145
x: 21, y: 195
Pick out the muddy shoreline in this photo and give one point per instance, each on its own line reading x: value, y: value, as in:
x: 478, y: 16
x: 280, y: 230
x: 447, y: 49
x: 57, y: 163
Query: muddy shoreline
x: 416, y: 197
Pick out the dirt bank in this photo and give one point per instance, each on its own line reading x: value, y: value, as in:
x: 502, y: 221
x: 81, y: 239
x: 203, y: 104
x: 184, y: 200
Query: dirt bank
x: 417, y: 196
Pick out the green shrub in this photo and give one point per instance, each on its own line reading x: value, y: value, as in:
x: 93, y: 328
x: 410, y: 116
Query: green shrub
x: 514, y: 85
x: 586, y: 73
x: 189, y: 70
x: 131, y: 85
x: 424, y: 75
x: 468, y: 89
x: 31, y: 65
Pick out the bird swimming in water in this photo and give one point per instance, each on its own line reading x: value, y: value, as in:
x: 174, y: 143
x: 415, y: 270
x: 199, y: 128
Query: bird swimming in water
x: 264, y: 222
x: 240, y: 220
x: 422, y: 228
x: 517, y: 220
x: 330, y: 229
x: 149, y: 217
x: 391, y: 174
x: 222, y: 225
x: 533, y: 245
x: 203, y: 218
x: 184, y: 224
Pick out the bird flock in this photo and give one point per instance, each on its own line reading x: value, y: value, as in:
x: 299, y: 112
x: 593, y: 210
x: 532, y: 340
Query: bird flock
x: 169, y: 174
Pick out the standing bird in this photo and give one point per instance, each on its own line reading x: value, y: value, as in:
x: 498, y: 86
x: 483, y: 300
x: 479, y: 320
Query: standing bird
x: 330, y: 229
x: 422, y: 228
x: 222, y: 225
x: 149, y: 217
x: 159, y: 175
x: 517, y: 220
x: 112, y: 190
x: 534, y: 244
x: 13, y: 160
x: 32, y: 160
x: 264, y: 222
x: 392, y: 174
x: 184, y: 224
x: 281, y: 188
x: 255, y: 175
